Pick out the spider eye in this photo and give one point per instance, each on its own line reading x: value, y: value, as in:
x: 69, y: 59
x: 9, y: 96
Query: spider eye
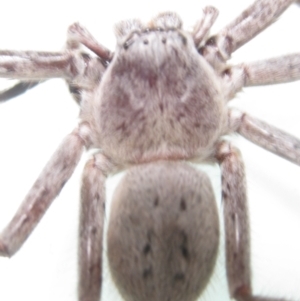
x: 168, y: 20
x: 124, y: 28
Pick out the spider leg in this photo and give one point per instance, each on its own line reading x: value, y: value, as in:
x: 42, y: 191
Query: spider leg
x: 18, y: 89
x: 91, y: 227
x: 276, y: 70
x: 80, y: 70
x: 37, y: 65
x: 265, y: 135
x: 203, y: 26
x: 44, y: 190
x: 237, y: 237
x: 77, y: 34
x: 245, y: 27
x: 42, y: 65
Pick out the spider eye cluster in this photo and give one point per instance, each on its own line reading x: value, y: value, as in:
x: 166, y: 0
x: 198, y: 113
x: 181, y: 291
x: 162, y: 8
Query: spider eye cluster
x: 162, y: 22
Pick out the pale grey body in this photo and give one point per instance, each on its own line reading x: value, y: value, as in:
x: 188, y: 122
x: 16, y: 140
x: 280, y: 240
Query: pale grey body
x: 152, y: 111
x: 158, y: 246
x: 159, y: 100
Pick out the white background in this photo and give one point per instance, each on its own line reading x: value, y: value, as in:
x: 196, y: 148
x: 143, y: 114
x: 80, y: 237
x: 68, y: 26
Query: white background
x: 32, y: 126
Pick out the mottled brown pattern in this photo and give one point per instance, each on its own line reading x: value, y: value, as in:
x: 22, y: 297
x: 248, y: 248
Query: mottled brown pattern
x: 153, y: 101
x: 236, y: 218
x: 156, y: 253
x: 159, y: 99
x: 91, y: 229
x: 48, y: 185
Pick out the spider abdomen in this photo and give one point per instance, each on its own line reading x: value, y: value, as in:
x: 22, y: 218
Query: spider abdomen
x: 163, y: 233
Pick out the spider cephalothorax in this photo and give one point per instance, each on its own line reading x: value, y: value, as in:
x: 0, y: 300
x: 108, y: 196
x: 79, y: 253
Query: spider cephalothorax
x: 158, y: 97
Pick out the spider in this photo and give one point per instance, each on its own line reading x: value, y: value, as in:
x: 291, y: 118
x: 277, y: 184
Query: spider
x: 224, y: 70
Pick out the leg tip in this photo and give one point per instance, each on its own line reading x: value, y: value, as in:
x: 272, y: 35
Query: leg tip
x: 3, y: 250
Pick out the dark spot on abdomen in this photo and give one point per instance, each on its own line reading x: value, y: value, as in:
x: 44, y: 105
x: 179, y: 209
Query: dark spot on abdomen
x: 179, y: 277
x: 147, y: 273
x: 183, y: 247
x: 147, y: 249
x: 182, y: 205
